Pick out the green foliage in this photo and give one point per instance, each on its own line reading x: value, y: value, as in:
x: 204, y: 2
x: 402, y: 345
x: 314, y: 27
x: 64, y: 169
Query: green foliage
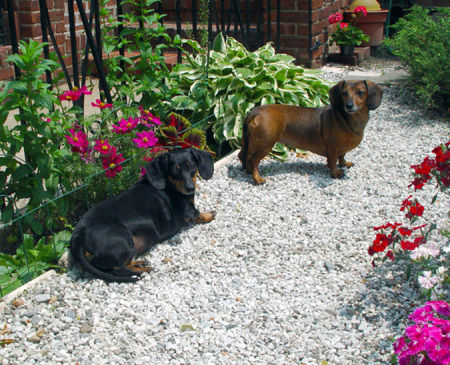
x: 348, y: 36
x: 142, y: 71
x: 422, y: 41
x: 230, y: 81
x: 30, y: 155
x: 31, y: 260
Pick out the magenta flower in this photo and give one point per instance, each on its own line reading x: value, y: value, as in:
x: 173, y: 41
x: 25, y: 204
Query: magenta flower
x: 145, y: 139
x: 100, y: 104
x: 111, y: 164
x: 74, y: 94
x: 102, y: 146
x: 125, y: 125
x: 47, y: 120
x: 78, y: 140
x: 147, y: 117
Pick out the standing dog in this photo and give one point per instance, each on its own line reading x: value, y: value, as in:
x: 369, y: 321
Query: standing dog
x: 114, y: 232
x: 329, y: 131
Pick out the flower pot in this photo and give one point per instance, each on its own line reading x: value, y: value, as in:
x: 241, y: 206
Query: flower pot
x: 347, y: 50
x: 372, y: 25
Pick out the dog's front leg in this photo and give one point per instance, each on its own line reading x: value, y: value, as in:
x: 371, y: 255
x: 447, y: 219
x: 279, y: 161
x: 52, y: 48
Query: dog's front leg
x: 198, y: 217
x: 332, y: 159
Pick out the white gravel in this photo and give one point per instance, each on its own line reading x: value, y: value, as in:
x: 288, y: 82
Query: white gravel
x: 281, y: 276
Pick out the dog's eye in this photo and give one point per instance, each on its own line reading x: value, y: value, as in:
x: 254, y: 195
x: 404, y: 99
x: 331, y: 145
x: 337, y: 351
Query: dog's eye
x: 345, y: 93
x: 360, y: 93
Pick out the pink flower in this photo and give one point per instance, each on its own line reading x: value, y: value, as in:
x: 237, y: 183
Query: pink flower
x: 74, y: 94
x: 335, y: 18
x: 125, y: 125
x: 111, y: 164
x: 147, y: 117
x: 47, y: 120
x: 145, y: 139
x: 360, y: 10
x: 100, y: 104
x: 102, y: 146
x: 78, y: 140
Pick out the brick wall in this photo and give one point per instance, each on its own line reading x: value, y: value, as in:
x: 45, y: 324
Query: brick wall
x: 29, y: 27
x: 296, y: 38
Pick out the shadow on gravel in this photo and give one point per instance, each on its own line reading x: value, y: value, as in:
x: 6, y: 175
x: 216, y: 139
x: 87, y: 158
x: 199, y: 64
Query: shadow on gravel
x: 318, y: 173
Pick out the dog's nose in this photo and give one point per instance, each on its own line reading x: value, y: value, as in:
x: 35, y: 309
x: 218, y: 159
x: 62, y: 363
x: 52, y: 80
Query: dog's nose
x: 349, y: 104
x: 189, y: 188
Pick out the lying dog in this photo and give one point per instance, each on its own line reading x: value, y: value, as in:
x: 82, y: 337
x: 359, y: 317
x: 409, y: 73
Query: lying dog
x: 329, y: 131
x: 114, y: 232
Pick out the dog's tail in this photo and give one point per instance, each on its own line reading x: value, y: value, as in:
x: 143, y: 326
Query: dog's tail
x: 243, y: 153
x: 78, y: 254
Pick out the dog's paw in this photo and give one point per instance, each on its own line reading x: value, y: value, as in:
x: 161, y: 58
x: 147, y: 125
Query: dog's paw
x: 259, y: 180
x: 338, y: 174
x: 206, y: 217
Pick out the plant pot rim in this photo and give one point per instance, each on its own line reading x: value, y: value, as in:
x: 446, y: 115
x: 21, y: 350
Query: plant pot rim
x: 368, y: 12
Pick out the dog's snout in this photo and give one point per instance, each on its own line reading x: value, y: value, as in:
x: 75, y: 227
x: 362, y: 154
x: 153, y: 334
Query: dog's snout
x: 190, y: 188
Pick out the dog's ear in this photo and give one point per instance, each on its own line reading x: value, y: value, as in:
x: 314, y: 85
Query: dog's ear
x: 205, y: 163
x: 374, y: 95
x: 156, y: 171
x: 336, y: 97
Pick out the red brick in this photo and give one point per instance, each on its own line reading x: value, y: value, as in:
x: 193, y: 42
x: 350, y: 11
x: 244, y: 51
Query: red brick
x: 6, y: 73
x: 58, y: 4
x: 29, y: 18
x: 336, y: 6
x: 31, y: 31
x: 30, y: 5
x: 294, y: 17
x: 304, y: 5
x: 289, y: 4
x: 56, y: 15
x: 293, y: 42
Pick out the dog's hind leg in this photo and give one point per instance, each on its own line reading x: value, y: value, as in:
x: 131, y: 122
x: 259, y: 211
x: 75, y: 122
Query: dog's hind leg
x: 343, y: 162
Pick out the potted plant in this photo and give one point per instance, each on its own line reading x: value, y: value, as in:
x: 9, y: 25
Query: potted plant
x: 347, y: 36
x: 372, y: 24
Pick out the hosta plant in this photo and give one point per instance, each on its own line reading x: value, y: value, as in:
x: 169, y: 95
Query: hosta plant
x: 221, y: 87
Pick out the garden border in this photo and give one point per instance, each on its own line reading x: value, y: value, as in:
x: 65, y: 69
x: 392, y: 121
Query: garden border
x: 8, y: 298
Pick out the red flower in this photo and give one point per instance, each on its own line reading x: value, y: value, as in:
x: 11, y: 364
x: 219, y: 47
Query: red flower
x: 408, y: 245
x: 100, y: 104
x: 111, y: 164
x: 405, y: 231
x: 390, y: 254
x: 343, y: 25
x: 335, y: 18
x: 380, y: 242
x: 360, y: 10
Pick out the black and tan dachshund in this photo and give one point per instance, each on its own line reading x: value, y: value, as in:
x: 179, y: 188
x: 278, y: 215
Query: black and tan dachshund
x: 110, y: 236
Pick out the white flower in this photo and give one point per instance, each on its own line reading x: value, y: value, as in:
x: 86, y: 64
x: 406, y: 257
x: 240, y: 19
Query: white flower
x: 426, y: 250
x: 427, y: 281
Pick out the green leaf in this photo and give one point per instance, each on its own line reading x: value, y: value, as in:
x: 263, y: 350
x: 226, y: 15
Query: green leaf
x: 219, y: 44
x: 8, y: 212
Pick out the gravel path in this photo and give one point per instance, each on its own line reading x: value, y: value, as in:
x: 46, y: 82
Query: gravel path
x: 282, y: 276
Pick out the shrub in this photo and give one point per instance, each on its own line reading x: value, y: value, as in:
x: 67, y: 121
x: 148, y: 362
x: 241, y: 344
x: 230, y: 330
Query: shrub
x: 422, y: 41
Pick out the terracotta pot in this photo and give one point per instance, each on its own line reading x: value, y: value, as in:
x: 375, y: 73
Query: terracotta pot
x: 372, y: 25
x: 347, y: 50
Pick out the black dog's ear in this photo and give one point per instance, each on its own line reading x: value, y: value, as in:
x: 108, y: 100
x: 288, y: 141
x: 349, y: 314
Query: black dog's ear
x: 156, y: 171
x: 374, y: 95
x: 205, y: 163
x: 336, y: 97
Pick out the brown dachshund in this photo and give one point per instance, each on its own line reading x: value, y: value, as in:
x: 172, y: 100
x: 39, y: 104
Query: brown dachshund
x: 329, y: 131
